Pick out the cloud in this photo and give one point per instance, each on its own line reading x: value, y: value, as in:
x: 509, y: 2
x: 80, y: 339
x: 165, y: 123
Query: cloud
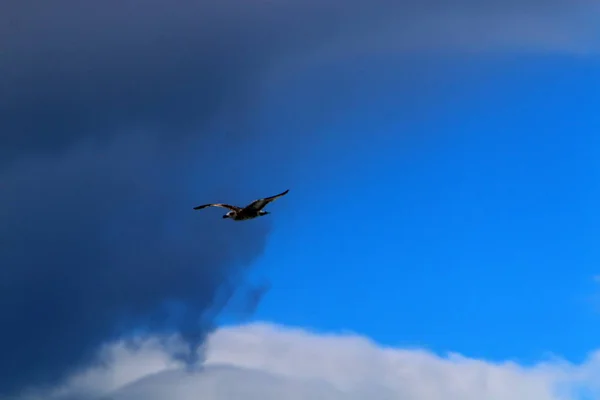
x: 265, y: 361
x: 101, y: 240
x: 89, y: 66
x: 117, y: 116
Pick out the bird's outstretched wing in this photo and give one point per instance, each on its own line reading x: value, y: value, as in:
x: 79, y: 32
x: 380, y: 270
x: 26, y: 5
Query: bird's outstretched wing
x: 234, y: 208
x: 261, y: 203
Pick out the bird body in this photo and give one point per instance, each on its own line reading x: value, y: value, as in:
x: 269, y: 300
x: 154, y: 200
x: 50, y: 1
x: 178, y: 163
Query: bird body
x: 251, y: 211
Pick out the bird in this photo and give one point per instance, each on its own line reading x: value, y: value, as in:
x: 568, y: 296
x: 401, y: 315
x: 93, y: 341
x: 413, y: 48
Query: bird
x: 251, y: 211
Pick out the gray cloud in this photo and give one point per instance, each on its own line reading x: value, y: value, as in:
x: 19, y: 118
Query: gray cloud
x: 264, y: 361
x: 216, y: 382
x: 100, y: 241
x: 114, y: 118
x: 78, y: 67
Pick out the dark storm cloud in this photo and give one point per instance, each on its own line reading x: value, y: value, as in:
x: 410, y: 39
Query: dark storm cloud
x: 94, y: 242
x: 107, y: 143
x: 86, y: 67
x: 107, y: 138
x: 80, y: 66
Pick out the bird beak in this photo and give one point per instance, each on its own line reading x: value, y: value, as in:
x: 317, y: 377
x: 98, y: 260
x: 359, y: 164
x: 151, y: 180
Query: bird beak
x: 225, y: 216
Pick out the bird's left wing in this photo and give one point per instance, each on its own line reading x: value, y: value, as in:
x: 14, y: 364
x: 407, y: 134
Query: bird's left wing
x: 234, y: 208
x: 261, y: 203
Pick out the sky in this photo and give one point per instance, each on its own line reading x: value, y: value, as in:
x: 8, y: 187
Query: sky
x: 481, y: 240
x: 437, y: 239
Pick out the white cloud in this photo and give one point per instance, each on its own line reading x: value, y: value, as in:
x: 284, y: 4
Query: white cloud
x: 264, y: 361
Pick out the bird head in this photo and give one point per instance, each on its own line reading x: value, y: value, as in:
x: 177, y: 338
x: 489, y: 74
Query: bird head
x: 230, y: 214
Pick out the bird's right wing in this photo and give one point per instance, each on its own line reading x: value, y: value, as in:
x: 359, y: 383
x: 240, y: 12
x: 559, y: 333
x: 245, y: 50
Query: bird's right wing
x: 260, y: 203
x: 233, y: 208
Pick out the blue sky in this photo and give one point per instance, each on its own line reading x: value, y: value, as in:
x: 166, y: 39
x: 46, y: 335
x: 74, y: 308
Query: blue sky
x: 467, y: 223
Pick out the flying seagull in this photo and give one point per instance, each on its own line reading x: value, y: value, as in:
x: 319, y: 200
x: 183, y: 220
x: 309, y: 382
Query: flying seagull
x: 252, y: 210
